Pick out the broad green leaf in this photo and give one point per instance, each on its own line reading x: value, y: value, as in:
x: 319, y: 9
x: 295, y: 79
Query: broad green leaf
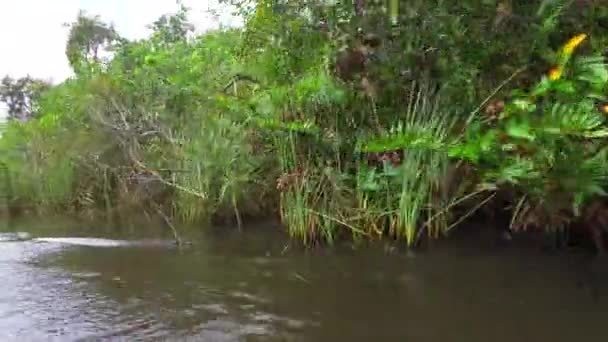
x: 519, y: 129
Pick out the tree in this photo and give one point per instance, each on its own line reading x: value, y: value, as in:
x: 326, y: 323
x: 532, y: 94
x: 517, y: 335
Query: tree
x: 21, y: 95
x: 88, y: 36
x: 173, y: 28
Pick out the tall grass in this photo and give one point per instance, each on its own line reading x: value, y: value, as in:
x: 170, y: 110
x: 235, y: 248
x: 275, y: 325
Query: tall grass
x: 415, y: 187
x: 41, y: 173
x: 219, y: 171
x: 412, y: 191
x: 320, y: 198
x: 297, y: 189
x: 6, y: 192
x: 315, y: 197
x: 316, y: 205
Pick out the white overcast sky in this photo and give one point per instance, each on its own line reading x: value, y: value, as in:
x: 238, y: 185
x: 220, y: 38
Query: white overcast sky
x: 32, y: 36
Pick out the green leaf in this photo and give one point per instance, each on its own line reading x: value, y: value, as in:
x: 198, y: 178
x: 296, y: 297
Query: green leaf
x: 592, y: 69
x: 370, y: 183
x: 579, y: 199
x: 542, y: 87
x: 488, y: 140
x: 519, y: 130
x: 517, y: 170
x: 406, y: 137
x: 524, y: 105
x: 564, y: 86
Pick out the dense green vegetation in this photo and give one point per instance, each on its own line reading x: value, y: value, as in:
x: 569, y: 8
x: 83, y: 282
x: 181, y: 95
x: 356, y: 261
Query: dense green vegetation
x: 380, y: 119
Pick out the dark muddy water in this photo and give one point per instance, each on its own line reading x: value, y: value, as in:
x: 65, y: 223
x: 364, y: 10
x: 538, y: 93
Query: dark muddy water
x: 250, y: 287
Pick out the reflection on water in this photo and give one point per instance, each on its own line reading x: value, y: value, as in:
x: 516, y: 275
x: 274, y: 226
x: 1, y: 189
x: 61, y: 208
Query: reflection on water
x: 249, y: 287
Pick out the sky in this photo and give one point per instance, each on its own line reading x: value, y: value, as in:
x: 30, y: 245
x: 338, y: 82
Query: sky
x: 33, y: 38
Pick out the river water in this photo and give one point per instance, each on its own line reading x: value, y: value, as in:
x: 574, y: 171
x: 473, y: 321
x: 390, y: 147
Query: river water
x: 254, y: 286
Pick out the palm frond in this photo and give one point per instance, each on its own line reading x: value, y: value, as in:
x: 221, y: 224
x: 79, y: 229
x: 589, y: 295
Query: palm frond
x: 581, y: 119
x: 424, y: 125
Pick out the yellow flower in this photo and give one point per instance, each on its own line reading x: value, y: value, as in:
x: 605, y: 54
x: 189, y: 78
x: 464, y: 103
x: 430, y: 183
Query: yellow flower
x: 555, y: 73
x: 572, y: 44
x: 604, y: 108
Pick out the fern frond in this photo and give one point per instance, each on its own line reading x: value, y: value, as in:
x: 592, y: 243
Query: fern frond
x: 592, y: 70
x: 581, y: 119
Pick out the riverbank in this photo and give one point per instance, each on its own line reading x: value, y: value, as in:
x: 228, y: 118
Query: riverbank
x: 479, y: 233
x: 356, y: 132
